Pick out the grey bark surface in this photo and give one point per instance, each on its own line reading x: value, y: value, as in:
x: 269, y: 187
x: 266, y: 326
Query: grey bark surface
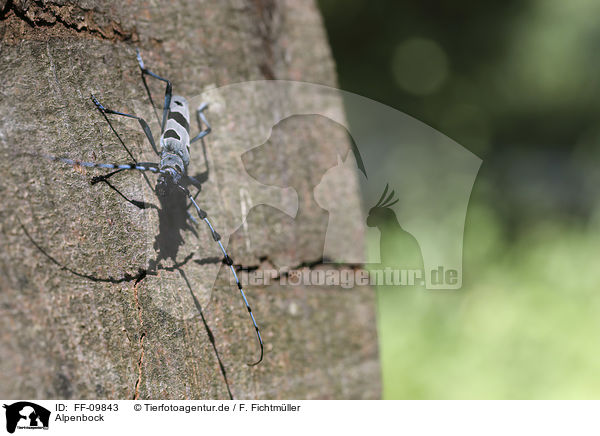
x: 66, y: 336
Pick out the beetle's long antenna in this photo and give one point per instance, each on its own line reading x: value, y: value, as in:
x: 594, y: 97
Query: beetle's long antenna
x: 141, y: 166
x: 229, y: 261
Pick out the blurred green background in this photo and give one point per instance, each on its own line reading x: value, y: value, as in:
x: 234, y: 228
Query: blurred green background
x: 515, y: 82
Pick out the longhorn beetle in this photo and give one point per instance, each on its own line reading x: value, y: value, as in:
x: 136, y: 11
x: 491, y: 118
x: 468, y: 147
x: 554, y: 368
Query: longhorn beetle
x: 174, y: 156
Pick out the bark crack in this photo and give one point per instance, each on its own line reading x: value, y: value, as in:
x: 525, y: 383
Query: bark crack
x: 267, y: 264
x: 25, y: 18
x: 267, y: 24
x: 136, y: 390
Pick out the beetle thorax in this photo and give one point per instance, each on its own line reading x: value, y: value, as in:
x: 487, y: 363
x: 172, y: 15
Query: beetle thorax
x: 174, y: 155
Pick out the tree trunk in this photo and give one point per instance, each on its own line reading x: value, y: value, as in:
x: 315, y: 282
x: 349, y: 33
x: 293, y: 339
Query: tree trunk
x: 99, y: 298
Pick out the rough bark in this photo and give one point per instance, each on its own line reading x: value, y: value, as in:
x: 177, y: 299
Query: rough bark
x: 123, y: 331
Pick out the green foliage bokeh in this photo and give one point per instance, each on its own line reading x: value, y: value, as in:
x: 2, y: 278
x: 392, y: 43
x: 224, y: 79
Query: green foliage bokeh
x: 516, y: 82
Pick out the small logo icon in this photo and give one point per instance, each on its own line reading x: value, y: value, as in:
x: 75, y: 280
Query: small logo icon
x: 26, y: 415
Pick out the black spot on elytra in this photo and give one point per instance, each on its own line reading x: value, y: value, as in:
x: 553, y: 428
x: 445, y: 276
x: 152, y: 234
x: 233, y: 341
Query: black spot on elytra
x: 172, y: 134
x: 180, y: 119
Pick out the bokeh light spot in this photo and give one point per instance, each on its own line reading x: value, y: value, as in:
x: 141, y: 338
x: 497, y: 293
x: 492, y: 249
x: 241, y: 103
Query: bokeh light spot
x: 420, y: 66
